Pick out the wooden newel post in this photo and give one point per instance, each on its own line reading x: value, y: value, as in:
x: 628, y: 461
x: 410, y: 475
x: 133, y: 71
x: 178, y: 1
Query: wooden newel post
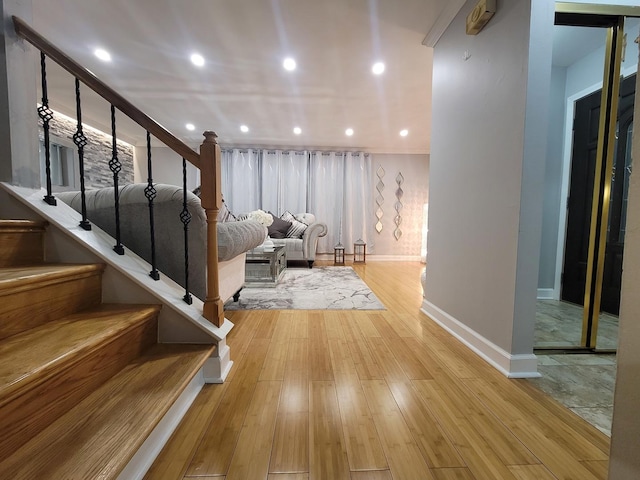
x: 211, y: 200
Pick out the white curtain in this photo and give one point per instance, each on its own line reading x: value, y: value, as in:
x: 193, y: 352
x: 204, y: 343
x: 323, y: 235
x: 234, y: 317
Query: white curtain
x: 285, y: 181
x: 326, y: 195
x: 358, y: 218
x: 341, y: 195
x: 336, y: 187
x: 270, y: 180
x: 241, y: 180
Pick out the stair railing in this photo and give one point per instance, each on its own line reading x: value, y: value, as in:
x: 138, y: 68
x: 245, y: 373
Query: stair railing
x: 207, y: 160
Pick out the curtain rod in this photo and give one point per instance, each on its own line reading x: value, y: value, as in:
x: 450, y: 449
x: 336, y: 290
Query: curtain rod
x: 288, y: 151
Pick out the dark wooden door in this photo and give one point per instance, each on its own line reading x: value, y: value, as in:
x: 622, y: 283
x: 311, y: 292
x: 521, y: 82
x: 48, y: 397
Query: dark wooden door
x: 579, y: 204
x: 612, y: 278
x: 583, y: 164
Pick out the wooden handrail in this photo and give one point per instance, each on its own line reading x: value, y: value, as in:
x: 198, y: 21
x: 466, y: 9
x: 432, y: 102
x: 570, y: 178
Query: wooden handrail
x: 105, y: 91
x: 208, y: 160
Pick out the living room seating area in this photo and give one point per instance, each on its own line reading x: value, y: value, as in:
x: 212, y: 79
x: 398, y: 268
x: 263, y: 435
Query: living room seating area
x: 298, y: 233
x: 234, y: 238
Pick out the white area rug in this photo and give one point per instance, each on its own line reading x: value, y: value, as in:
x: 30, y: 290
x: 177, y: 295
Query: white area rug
x: 319, y: 288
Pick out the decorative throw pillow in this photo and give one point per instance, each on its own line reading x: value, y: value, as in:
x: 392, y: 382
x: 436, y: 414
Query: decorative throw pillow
x: 279, y: 227
x: 297, y: 227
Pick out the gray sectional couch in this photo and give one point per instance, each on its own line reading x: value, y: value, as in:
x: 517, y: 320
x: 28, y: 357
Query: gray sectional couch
x: 234, y: 238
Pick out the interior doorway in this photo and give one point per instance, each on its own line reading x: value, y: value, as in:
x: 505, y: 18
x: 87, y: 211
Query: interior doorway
x: 581, y: 186
x: 580, y: 311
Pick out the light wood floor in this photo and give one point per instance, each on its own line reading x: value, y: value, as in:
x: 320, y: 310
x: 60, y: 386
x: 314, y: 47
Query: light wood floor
x: 373, y: 395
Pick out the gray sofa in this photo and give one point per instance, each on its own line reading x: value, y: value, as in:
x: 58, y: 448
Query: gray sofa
x: 234, y: 238
x: 304, y: 248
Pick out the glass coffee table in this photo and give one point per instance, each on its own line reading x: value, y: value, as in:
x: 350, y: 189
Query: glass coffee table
x: 264, y: 268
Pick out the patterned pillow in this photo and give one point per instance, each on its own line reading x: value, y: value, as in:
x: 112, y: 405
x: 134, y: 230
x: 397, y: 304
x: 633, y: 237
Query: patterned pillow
x: 297, y: 227
x: 279, y: 227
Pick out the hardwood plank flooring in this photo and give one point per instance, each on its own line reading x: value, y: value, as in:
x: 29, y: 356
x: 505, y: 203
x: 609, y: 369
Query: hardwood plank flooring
x: 327, y: 452
x: 374, y: 395
x: 363, y: 447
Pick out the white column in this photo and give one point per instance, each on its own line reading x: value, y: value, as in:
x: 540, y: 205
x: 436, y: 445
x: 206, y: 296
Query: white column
x: 19, y: 163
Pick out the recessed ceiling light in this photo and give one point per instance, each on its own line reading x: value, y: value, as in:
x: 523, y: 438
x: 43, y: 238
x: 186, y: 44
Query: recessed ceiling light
x: 244, y: 128
x: 197, y: 59
x: 102, y: 54
x: 297, y: 130
x: 348, y: 132
x: 377, y: 68
x: 404, y: 133
x: 190, y: 126
x: 289, y: 64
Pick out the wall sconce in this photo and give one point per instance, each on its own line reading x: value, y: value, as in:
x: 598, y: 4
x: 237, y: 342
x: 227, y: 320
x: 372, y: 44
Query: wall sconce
x: 338, y: 255
x: 480, y: 16
x: 359, y: 251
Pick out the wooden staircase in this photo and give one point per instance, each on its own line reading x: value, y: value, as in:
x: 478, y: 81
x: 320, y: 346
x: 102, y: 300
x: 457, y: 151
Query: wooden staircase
x: 82, y: 383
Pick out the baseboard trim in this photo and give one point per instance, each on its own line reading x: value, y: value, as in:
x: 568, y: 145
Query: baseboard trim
x: 545, y: 294
x: 376, y: 258
x: 394, y: 258
x: 512, y: 366
x: 147, y: 453
x: 218, y: 367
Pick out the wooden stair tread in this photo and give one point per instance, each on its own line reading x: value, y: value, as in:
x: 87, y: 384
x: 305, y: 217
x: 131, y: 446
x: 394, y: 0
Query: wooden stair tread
x: 22, y: 225
x: 14, y: 279
x: 97, y: 438
x: 31, y: 357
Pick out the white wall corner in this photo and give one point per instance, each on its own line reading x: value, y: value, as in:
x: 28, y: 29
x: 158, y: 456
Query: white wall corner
x: 447, y: 15
x: 217, y: 367
x: 546, y: 294
x: 512, y: 366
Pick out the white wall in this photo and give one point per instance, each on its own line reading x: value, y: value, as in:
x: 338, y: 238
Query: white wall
x: 415, y: 170
x: 166, y: 167
x: 486, y: 179
x: 553, y: 179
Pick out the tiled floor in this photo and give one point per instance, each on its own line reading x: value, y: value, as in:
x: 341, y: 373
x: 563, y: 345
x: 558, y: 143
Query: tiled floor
x: 559, y: 324
x: 584, y: 383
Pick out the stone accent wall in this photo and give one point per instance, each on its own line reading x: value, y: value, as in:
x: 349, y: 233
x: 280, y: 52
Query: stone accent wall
x: 97, y: 152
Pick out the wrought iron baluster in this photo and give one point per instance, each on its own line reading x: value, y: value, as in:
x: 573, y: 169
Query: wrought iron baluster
x: 185, y: 218
x: 150, y: 192
x: 46, y: 114
x: 116, y: 167
x: 81, y: 140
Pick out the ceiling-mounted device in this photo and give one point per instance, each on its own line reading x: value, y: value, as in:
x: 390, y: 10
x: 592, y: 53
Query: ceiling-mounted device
x: 480, y: 16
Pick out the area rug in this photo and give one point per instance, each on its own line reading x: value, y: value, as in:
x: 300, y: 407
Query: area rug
x: 319, y: 288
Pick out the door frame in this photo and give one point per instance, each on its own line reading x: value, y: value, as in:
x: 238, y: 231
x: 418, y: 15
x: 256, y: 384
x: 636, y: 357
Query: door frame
x: 566, y: 173
x: 612, y: 18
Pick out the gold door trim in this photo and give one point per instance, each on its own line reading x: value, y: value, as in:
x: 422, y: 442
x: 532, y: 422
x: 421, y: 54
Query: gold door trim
x: 602, y: 184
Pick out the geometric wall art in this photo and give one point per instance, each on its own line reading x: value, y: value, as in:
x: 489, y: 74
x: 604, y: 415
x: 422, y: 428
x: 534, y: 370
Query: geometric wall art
x: 397, y: 233
x: 379, y: 198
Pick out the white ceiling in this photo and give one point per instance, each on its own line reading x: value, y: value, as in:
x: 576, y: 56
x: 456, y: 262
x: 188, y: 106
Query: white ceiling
x: 334, y: 42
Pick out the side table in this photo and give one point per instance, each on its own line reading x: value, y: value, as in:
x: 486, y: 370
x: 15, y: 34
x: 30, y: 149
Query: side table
x: 265, y: 268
